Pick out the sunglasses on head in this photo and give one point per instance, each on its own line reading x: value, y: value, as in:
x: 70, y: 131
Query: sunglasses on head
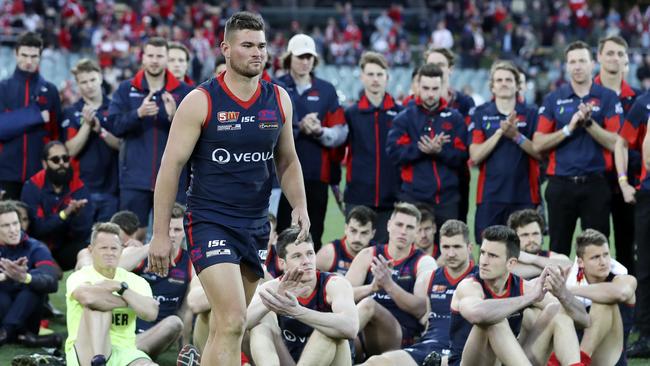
x: 58, y: 158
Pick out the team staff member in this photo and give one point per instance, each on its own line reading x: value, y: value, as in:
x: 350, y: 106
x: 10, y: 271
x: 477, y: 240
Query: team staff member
x: 372, y: 179
x: 612, y: 56
x: 90, y: 143
x: 178, y: 61
x: 577, y: 127
x: 321, y: 127
x: 500, y: 144
x: 141, y: 113
x: 427, y: 141
x: 635, y: 134
x: 30, y: 113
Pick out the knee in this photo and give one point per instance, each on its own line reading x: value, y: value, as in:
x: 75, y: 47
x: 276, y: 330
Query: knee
x: 367, y: 307
x: 375, y: 361
x: 173, y: 324
x: 228, y: 325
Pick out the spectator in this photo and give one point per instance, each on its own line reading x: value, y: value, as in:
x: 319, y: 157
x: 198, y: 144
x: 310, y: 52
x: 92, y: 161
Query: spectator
x: 27, y: 274
x: 60, y: 207
x: 30, y: 113
x: 90, y: 143
x: 442, y: 37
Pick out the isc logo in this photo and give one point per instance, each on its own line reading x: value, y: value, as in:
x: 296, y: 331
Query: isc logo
x: 216, y: 243
x: 248, y: 119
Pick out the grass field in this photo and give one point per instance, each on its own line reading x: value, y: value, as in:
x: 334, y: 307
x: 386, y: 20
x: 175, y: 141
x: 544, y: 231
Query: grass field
x: 333, y: 229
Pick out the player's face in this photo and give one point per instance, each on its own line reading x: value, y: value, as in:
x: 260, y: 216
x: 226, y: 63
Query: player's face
x: 530, y: 238
x: 596, y: 261
x: 426, y: 233
x: 579, y: 65
x: 493, y: 263
x: 504, y: 84
x: 301, y: 256
x: 24, y: 219
x: 90, y: 84
x: 441, y: 61
x: 106, y: 250
x: 177, y: 63
x: 176, y: 232
x: 358, y: 236
x: 402, y: 230
x: 454, y: 251
x: 430, y: 90
x: 612, y: 57
x: 154, y: 60
x: 28, y: 58
x: 9, y: 228
x: 245, y: 52
x: 374, y: 79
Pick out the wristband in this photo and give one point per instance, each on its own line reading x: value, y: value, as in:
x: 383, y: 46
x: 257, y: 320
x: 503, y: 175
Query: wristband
x: 622, y: 179
x: 520, y: 139
x: 566, y: 131
x: 62, y: 215
x: 28, y: 279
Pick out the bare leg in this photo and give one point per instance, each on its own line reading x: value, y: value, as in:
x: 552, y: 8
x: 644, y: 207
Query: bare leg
x: 263, y: 341
x: 380, y: 329
x: 603, y: 340
x: 486, y: 345
x: 391, y: 358
x: 93, y: 337
x: 322, y: 350
x: 551, y: 330
x: 158, y: 338
x: 201, y: 330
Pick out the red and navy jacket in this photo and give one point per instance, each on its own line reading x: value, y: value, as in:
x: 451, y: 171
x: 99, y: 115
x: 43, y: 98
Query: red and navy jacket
x: 45, y: 205
x: 97, y: 161
x: 319, y: 163
x: 23, y: 133
x: 144, y: 139
x: 579, y: 154
x: 40, y: 265
x: 461, y: 102
x: 508, y: 174
x: 428, y: 178
x: 634, y: 130
x: 372, y: 179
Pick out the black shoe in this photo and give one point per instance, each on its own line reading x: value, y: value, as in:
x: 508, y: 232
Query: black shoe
x: 33, y: 340
x: 640, y: 348
x: 98, y: 360
x: 188, y: 356
x: 433, y: 359
x: 37, y: 360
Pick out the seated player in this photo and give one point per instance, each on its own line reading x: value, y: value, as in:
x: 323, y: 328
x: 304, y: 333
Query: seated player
x: 103, y: 302
x: 359, y: 231
x: 312, y: 314
x: 528, y: 225
x: 427, y: 233
x: 610, y: 300
x: 438, y: 288
x: 489, y: 310
x: 383, y: 278
x: 271, y: 261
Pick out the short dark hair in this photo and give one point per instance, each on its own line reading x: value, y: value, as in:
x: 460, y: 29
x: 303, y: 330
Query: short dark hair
x: 426, y: 212
x: 524, y: 217
x: 7, y: 207
x: 429, y: 70
x: 577, y: 45
x: 362, y: 214
x: 407, y: 209
x: 616, y: 39
x: 505, y: 235
x: 178, y: 211
x: 179, y: 46
x: 455, y: 227
x: 243, y: 20
x: 128, y: 221
x: 449, y: 55
x: 156, y: 42
x: 288, y: 237
x: 29, y: 39
x: 85, y: 65
x: 587, y: 238
x: 49, y: 146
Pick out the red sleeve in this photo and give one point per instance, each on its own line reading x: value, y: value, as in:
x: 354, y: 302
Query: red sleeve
x: 333, y: 118
x: 478, y: 137
x: 630, y: 134
x: 545, y: 125
x: 70, y: 133
x: 613, y: 123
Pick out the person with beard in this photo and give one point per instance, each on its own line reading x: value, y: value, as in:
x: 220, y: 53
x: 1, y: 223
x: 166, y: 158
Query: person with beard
x: 528, y: 225
x: 427, y: 232
x: 60, y: 207
x: 141, y: 113
x: 359, y: 230
x: 230, y: 128
x: 179, y: 61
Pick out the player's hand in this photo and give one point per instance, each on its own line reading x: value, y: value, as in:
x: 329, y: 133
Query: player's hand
x: 14, y: 270
x: 160, y: 255
x: 89, y: 116
x: 628, y: 192
x: 509, y: 126
x: 576, y: 120
x: 286, y: 304
x: 148, y: 107
x: 382, y: 272
x: 110, y: 285
x: 539, y: 290
x: 74, y: 206
x: 300, y: 218
x: 170, y: 104
x: 290, y: 282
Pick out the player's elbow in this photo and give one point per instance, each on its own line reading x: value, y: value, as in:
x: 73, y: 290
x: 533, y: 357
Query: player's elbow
x: 350, y: 328
x: 624, y: 294
x: 151, y: 312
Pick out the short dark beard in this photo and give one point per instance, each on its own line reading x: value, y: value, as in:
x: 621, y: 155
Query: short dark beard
x: 243, y: 71
x: 59, y: 177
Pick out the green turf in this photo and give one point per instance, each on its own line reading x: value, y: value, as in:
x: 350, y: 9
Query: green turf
x: 334, y: 222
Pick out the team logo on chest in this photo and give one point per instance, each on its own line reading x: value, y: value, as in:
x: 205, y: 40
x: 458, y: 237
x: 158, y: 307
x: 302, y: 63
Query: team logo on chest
x: 227, y: 117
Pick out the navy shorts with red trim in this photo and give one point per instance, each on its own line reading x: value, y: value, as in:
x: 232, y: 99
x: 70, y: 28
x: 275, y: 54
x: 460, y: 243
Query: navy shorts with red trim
x: 421, y: 350
x: 212, y: 243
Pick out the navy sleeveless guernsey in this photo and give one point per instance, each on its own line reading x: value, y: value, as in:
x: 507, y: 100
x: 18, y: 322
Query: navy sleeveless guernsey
x: 295, y: 333
x: 460, y: 328
x: 342, y: 258
x: 404, y: 275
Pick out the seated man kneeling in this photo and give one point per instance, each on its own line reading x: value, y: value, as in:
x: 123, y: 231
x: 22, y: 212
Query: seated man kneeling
x: 103, y: 302
x: 304, y: 317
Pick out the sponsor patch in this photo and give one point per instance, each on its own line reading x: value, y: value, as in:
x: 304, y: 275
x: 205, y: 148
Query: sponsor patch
x: 268, y: 125
x: 212, y: 253
x: 227, y: 117
x: 235, y: 127
x: 266, y: 115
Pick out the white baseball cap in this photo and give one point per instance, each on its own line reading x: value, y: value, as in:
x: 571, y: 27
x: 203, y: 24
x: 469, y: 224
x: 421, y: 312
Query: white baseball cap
x: 301, y: 44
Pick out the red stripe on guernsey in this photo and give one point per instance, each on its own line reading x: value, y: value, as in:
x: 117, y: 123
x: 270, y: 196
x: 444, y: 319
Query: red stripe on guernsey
x: 454, y: 281
x: 552, y: 163
x: 507, y: 291
x: 345, y: 249
x: 305, y: 300
x: 459, y: 144
x: 404, y: 139
x: 208, y: 117
x: 243, y: 103
x: 533, y: 180
x: 435, y: 174
x: 71, y: 132
x: 630, y: 134
x: 325, y: 166
x: 478, y: 137
x: 545, y: 125
x: 607, y: 156
x: 377, y: 158
x: 480, y: 187
x: 190, y: 238
x: 279, y: 100
x: 40, y: 212
x: 407, y: 173
x: 334, y: 118
x: 399, y: 261
x: 613, y: 123
x: 45, y: 263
